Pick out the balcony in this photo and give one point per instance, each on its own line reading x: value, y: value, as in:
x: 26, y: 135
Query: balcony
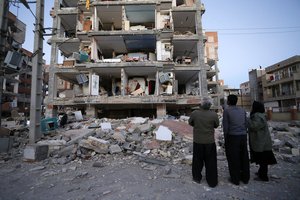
x: 294, y: 77
x: 282, y: 97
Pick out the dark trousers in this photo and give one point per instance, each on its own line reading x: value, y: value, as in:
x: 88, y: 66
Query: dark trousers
x: 238, y: 158
x: 205, y: 154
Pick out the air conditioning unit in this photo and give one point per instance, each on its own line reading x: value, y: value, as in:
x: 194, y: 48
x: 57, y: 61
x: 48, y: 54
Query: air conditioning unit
x: 168, y: 47
x: 82, y: 78
x: 13, y: 59
x: 164, y: 77
x: 80, y: 57
x: 171, y: 75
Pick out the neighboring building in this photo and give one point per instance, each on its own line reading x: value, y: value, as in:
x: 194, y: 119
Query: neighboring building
x: 281, y: 85
x: 245, y: 88
x: 130, y: 58
x: 17, y: 69
x: 211, y: 58
x: 255, y: 84
x: 245, y: 95
x: 243, y: 100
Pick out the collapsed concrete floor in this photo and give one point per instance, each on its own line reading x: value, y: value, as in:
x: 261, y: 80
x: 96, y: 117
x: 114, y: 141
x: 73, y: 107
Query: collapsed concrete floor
x: 128, y: 159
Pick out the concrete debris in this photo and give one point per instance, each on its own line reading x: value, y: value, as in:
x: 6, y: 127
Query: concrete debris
x: 105, y: 126
x: 155, y: 141
x: 77, y: 135
x: 139, y: 120
x: 171, y: 176
x: 37, y: 168
x: 78, y: 115
x: 180, y: 127
x: 152, y: 161
x: 98, y: 164
x: 163, y: 133
x: 35, y: 152
x: 114, y: 149
x: 98, y: 145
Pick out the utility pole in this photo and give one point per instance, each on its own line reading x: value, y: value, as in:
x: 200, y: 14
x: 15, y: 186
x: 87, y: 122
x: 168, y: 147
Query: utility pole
x: 3, y: 32
x: 37, y: 76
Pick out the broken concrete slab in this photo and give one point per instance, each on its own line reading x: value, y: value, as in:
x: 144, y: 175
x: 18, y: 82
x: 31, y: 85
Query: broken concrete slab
x: 145, y: 128
x: 151, y: 144
x: 128, y: 146
x: 163, y: 133
x: 114, y: 149
x: 134, y: 138
x: 35, y: 152
x: 179, y: 127
x: 78, y: 115
x: 119, y: 136
x: 106, y: 126
x: 98, y: 145
x: 139, y: 120
x: 78, y: 134
x: 53, y: 145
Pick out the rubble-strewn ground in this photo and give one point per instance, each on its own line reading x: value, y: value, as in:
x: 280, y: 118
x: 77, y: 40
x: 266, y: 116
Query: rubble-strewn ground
x: 150, y: 170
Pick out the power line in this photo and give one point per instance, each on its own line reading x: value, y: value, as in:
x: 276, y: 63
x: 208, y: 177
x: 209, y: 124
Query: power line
x: 257, y: 33
x: 257, y: 28
x: 253, y: 31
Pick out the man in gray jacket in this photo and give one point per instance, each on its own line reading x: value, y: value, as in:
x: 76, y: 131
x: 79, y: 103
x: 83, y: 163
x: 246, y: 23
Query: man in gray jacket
x: 235, y: 134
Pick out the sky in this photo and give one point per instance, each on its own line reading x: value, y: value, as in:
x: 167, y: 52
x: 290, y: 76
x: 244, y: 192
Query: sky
x: 251, y: 33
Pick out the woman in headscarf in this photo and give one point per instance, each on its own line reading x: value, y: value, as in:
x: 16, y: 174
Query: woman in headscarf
x: 260, y: 141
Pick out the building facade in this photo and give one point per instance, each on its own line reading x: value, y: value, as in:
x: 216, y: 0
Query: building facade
x: 128, y: 58
x: 255, y: 84
x: 245, y: 88
x: 17, y: 69
x: 211, y: 59
x: 281, y: 85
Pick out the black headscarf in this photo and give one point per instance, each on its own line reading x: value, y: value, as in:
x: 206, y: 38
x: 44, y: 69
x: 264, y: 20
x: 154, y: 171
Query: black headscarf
x: 257, y: 107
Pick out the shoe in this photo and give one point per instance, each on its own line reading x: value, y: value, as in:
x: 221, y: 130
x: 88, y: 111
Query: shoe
x: 197, y: 181
x: 212, y: 186
x: 234, y: 182
x: 245, y: 182
x: 261, y: 179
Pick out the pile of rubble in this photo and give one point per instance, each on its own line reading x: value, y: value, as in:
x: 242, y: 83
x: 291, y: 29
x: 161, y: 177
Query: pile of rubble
x: 157, y: 141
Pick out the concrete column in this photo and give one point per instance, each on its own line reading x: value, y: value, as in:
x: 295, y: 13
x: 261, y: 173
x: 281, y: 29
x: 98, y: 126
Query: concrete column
x: 202, y: 71
x: 157, y: 85
x: 161, y: 110
x: 52, y: 85
x: 293, y: 113
x: 124, y: 82
x: 91, y: 111
x: 269, y: 113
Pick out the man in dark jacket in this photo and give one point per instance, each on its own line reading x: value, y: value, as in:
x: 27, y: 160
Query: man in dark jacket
x: 235, y: 134
x: 204, y: 122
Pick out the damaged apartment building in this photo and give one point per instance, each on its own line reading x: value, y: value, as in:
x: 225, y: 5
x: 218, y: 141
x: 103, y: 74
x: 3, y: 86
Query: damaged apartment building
x: 16, y: 68
x: 128, y: 58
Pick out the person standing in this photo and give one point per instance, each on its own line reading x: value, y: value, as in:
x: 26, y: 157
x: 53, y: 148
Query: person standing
x: 235, y: 135
x: 204, y: 121
x: 260, y: 141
